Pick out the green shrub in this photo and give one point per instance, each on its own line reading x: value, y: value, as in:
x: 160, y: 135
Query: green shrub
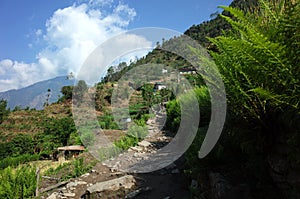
x: 134, y: 135
x: 110, y: 152
x: 59, y: 129
x: 174, y: 109
x: 3, y: 110
x: 15, y: 161
x: 72, y: 169
x: 106, y: 121
x: 19, y: 145
x: 126, y: 142
x: 80, y: 167
x: 19, y: 183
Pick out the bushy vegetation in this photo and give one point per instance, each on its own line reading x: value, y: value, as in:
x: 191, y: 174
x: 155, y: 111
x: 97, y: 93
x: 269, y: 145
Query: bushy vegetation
x: 174, y: 109
x: 18, y: 183
x: 106, y: 121
x: 23, y: 148
x: 133, y: 136
x: 16, y: 161
x: 59, y: 129
x: 67, y: 92
x: 19, y: 145
x: 259, y: 63
x: 3, y: 110
x: 71, y: 169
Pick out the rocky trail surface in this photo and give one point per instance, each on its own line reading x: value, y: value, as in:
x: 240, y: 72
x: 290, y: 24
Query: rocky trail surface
x: 111, y: 178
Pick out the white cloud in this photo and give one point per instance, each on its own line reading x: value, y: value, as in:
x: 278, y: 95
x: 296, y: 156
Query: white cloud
x: 15, y: 74
x: 6, y: 63
x: 123, y: 48
x: 74, y: 32
x: 71, y: 34
x: 96, y: 3
x: 38, y: 32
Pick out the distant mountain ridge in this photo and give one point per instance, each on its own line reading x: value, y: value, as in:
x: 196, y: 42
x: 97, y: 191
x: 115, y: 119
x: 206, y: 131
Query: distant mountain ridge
x: 34, y: 96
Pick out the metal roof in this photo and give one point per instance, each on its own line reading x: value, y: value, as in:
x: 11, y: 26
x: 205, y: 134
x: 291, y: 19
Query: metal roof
x: 71, y: 148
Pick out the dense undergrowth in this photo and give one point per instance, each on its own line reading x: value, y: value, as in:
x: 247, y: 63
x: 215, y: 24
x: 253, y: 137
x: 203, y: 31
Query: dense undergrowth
x: 259, y: 63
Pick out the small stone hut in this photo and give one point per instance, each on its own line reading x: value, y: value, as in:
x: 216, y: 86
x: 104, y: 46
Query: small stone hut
x: 68, y: 152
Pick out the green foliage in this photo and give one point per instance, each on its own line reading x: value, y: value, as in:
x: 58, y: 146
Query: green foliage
x: 3, y: 110
x: 174, y: 115
x: 17, y: 108
x: 59, y: 129
x: 106, y: 121
x: 217, y: 26
x: 174, y: 109
x: 254, y: 63
x: 109, y: 152
x: 148, y: 95
x: 134, y: 135
x: 126, y: 142
x: 21, y: 144
x: 72, y: 169
x: 74, y: 139
x: 18, y: 183
x: 166, y: 95
x: 191, y: 155
x: 80, y: 167
x: 259, y: 64
x: 67, y: 92
x: 139, y: 132
x: 79, y: 91
x: 87, y: 135
x: 142, y: 121
x: 16, y: 161
x: 103, y: 96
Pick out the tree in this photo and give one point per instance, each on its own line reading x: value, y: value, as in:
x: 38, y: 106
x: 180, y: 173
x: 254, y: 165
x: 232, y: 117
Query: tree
x: 48, y: 95
x: 110, y: 72
x: 79, y: 90
x: 60, y: 129
x: 166, y: 95
x: 17, y: 108
x: 67, y: 92
x: 3, y: 110
x: 148, y: 95
x: 81, y: 86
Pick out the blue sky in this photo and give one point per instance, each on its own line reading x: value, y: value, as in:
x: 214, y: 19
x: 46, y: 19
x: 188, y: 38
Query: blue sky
x: 41, y: 39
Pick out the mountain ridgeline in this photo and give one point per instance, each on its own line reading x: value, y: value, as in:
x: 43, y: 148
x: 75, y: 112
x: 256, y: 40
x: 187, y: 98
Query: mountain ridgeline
x: 36, y: 95
x: 200, y: 33
x: 217, y: 25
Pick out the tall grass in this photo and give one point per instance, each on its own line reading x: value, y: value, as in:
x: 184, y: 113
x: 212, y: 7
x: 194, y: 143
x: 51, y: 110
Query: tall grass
x: 15, y: 161
x: 18, y: 183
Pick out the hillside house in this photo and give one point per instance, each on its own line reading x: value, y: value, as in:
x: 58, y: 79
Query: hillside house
x: 187, y: 70
x: 159, y: 86
x: 68, y: 152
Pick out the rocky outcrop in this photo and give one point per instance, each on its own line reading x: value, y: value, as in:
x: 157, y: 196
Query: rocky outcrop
x: 125, y: 182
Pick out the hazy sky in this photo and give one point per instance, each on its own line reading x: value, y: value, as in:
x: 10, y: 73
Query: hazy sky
x: 41, y: 39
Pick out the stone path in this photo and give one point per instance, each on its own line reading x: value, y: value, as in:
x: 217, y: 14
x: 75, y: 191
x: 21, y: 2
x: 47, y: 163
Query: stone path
x: 155, y: 140
x: 168, y: 182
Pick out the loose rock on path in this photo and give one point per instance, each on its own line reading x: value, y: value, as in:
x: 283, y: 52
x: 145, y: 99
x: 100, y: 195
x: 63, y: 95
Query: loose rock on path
x: 110, y: 179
